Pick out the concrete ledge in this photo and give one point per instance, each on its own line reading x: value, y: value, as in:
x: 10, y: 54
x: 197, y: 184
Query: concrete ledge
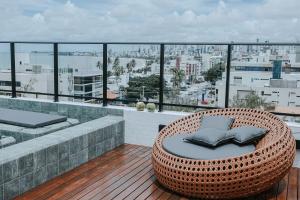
x: 30, y: 163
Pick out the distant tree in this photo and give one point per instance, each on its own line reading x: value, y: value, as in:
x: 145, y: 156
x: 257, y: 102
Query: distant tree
x: 214, y: 73
x: 251, y: 100
x: 28, y: 87
x: 109, y: 73
x: 133, y: 63
x: 177, y: 79
x: 118, y: 70
x: 116, y: 62
x: 136, y: 85
x: 109, y: 60
x: 99, y: 65
x: 130, y: 66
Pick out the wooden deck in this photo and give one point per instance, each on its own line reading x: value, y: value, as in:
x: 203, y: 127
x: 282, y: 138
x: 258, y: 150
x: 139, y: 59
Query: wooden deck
x: 126, y: 173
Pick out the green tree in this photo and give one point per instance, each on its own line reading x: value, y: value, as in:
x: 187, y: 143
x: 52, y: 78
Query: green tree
x: 99, y: 65
x: 251, y: 100
x: 109, y: 73
x: 116, y: 62
x: 109, y: 60
x: 214, y: 73
x: 118, y: 70
x: 131, y: 65
x: 136, y: 85
x: 177, y: 79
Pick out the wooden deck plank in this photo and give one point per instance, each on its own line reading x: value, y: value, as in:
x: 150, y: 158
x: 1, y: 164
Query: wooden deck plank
x: 156, y: 194
x: 137, y: 188
x: 117, y: 187
x: 68, y: 186
x: 101, y: 175
x: 282, y: 189
x: 272, y: 193
x: 57, y: 182
x: 292, y: 185
x: 126, y: 173
x: 146, y: 193
x: 298, y: 187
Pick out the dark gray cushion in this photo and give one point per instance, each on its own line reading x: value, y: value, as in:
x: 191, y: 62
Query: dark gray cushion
x: 219, y: 122
x: 28, y: 119
x: 210, y: 137
x: 177, y: 146
x: 246, y: 134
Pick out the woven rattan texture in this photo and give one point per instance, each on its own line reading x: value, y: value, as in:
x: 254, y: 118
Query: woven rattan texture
x: 229, y: 178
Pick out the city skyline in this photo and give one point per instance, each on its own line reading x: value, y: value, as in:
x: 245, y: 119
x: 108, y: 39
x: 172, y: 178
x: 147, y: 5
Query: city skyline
x: 151, y: 20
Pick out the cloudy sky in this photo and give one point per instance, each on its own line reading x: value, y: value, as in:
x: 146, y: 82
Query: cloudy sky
x: 150, y: 20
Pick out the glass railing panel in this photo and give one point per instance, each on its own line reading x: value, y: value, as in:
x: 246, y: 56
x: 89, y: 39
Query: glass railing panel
x: 80, y: 69
x: 193, y: 75
x: 133, y: 74
x: 34, y: 70
x: 5, y: 69
x: 266, y: 77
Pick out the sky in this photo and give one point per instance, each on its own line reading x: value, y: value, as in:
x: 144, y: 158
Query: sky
x: 150, y: 20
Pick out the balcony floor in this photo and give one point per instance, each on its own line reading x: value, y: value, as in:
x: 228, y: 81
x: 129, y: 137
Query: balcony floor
x: 126, y: 173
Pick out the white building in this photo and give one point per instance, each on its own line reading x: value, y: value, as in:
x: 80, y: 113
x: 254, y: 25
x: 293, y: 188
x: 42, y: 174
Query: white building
x: 78, y: 75
x: 244, y: 79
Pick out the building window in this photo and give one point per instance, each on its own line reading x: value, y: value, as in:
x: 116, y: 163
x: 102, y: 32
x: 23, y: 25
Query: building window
x: 237, y: 80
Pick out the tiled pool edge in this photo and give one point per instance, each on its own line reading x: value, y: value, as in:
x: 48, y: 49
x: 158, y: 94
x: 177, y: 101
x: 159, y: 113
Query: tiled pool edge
x: 33, y: 162
x: 82, y: 111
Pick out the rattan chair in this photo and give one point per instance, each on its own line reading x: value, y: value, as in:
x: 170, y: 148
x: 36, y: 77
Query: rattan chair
x: 228, y: 178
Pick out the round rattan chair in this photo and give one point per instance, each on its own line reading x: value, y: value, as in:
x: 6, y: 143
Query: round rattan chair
x: 235, y: 177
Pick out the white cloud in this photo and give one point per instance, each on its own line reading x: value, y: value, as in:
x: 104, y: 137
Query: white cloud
x: 150, y: 20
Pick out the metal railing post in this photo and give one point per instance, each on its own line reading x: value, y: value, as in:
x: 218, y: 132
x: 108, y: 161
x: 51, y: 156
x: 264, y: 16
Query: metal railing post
x: 161, y: 78
x: 55, y: 63
x: 104, y: 75
x: 13, y: 70
x: 228, y: 75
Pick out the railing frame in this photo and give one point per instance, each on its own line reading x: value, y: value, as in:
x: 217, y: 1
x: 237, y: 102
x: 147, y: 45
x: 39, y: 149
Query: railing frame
x: 105, y: 99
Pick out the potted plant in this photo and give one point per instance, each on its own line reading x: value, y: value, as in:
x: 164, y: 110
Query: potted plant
x: 140, y: 106
x: 151, y: 107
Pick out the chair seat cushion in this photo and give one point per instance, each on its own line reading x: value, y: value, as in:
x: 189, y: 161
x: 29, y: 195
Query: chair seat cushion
x: 177, y: 146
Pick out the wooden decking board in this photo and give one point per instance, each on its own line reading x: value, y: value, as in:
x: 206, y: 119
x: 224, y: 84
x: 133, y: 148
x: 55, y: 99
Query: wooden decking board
x: 282, y: 189
x: 292, y: 185
x: 146, y: 193
x: 126, y: 173
x: 123, y: 183
x: 101, y: 181
x: 137, y: 188
x: 79, y: 179
x: 272, y: 193
x: 107, y: 172
x: 298, y: 186
x: 156, y: 194
x: 52, y: 185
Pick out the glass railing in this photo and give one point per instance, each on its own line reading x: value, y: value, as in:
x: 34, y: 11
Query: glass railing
x: 174, y: 76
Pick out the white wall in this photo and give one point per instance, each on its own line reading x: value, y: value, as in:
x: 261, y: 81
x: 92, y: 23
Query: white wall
x: 141, y: 128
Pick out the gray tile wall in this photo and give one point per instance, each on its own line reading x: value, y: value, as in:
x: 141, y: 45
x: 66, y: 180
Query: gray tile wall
x: 82, y: 112
x: 28, y: 164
